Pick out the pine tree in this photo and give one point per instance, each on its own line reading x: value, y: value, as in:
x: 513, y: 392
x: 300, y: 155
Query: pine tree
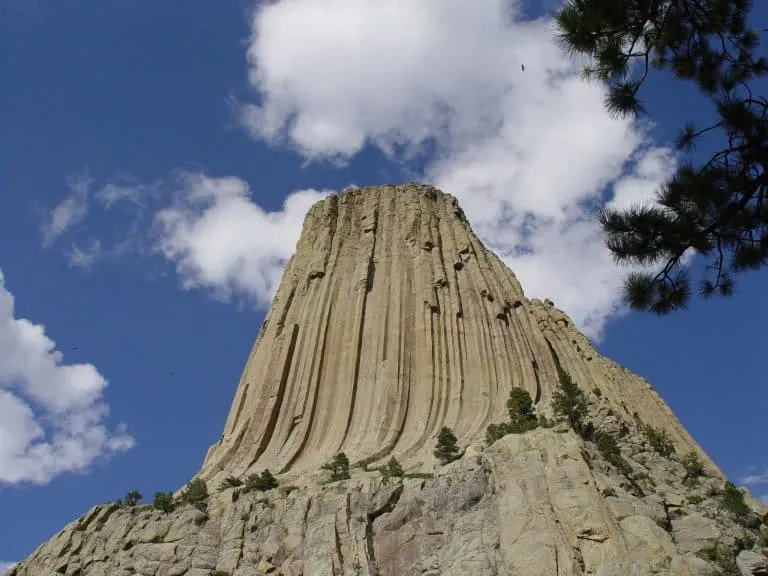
x: 262, y: 483
x: 719, y: 208
x: 569, y: 403
x: 339, y: 467
x: 447, y: 448
x: 393, y: 468
x: 164, y: 501
x: 132, y: 498
x: 520, y: 408
x: 196, y: 493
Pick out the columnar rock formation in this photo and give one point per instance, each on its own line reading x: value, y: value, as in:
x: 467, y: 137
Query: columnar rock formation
x: 391, y: 321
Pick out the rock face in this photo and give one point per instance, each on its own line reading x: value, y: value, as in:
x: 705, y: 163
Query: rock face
x: 392, y: 320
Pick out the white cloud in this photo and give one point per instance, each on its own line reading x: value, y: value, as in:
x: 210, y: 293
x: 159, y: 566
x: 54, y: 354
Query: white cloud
x: 125, y: 189
x: 219, y: 239
x: 5, y: 567
x: 755, y: 479
x: 84, y: 257
x: 69, y: 211
x: 112, y: 194
x: 529, y: 153
x: 51, y: 413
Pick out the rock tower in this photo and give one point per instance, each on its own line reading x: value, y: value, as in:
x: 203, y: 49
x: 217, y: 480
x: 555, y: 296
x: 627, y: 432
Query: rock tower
x: 391, y: 322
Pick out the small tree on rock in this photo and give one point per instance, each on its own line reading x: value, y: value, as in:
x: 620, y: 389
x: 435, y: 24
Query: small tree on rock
x: 520, y: 408
x: 693, y: 466
x: 570, y: 404
x: 164, y: 501
x: 339, y: 467
x: 496, y: 432
x: 262, y: 483
x: 230, y: 482
x: 733, y: 501
x: 660, y: 440
x: 132, y: 498
x: 392, y: 469
x: 609, y: 448
x: 447, y: 447
x: 196, y: 493
x: 521, y: 417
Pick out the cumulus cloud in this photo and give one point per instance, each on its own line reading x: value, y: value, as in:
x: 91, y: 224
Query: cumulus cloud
x: 5, y: 567
x: 51, y: 413
x: 530, y: 154
x: 220, y: 239
x: 69, y: 212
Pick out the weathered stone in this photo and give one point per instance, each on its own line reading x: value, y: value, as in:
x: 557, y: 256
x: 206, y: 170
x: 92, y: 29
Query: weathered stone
x: 752, y: 564
x: 392, y: 320
x: 694, y: 532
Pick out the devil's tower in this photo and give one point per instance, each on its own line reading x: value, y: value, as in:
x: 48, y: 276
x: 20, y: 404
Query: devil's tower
x: 392, y: 321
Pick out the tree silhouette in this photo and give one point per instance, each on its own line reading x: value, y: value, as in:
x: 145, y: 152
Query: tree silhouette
x: 717, y: 208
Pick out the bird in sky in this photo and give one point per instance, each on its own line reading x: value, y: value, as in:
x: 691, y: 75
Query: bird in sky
x: 522, y: 66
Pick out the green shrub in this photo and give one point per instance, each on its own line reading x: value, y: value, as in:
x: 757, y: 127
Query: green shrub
x: 339, y: 467
x: 235, y: 495
x: 520, y: 409
x: 597, y: 392
x: 263, y: 482
x: 609, y: 448
x: 764, y: 538
x: 521, y: 417
x: 609, y: 492
x: 695, y: 499
x: 693, y: 465
x: 748, y: 542
x: 691, y: 482
x: 660, y: 440
x: 733, y: 501
x: 519, y: 405
x: 570, y: 404
x: 722, y: 558
x: 496, y: 432
x: 164, y: 501
x: 447, y: 448
x: 545, y: 422
x: 196, y: 493
x: 392, y: 469
x: 132, y: 498
x: 230, y: 482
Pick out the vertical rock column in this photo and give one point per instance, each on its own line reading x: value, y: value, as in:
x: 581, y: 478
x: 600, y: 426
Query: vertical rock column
x: 391, y: 321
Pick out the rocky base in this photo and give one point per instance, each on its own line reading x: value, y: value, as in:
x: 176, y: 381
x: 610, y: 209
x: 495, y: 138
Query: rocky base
x: 542, y: 503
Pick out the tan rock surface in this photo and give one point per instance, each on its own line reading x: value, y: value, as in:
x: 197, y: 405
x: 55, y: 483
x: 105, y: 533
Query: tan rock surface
x: 528, y: 505
x: 392, y: 320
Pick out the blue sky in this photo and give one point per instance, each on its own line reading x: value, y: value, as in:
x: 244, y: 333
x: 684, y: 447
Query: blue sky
x: 155, y: 166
